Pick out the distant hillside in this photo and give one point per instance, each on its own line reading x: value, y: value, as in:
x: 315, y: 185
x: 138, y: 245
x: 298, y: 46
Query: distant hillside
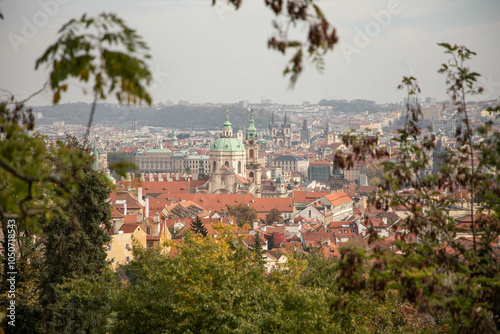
x: 356, y: 106
x: 177, y: 116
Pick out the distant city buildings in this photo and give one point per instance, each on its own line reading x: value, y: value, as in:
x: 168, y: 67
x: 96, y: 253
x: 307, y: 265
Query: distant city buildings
x: 281, y: 133
x: 296, y: 149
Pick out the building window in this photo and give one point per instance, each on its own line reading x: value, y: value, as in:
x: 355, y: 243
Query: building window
x: 127, y: 259
x: 353, y: 231
x: 340, y: 231
x: 150, y: 245
x: 251, y: 174
x: 109, y: 248
x: 239, y: 167
x: 250, y: 154
x: 127, y: 246
x: 148, y: 230
x: 346, y: 231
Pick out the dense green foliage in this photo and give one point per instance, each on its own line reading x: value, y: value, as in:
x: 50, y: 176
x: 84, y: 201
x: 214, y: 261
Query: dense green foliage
x: 245, y: 215
x: 55, y: 202
x: 452, y: 271
x: 197, y: 227
x: 274, y: 216
x: 217, y: 286
x: 124, y: 158
x: 74, y: 245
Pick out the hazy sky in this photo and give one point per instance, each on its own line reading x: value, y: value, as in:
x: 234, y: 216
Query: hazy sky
x: 216, y: 54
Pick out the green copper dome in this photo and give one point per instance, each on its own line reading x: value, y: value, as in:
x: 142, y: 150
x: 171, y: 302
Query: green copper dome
x: 230, y: 144
x: 280, y: 180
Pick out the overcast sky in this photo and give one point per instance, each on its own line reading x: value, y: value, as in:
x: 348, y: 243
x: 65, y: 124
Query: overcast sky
x: 215, y: 54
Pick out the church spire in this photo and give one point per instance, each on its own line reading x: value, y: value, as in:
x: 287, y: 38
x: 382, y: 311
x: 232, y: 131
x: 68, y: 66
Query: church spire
x: 252, y: 131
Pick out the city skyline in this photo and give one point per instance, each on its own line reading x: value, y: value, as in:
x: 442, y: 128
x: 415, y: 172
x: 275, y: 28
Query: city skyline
x: 203, y: 53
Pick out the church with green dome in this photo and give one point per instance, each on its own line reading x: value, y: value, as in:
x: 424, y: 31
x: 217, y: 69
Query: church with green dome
x: 233, y: 164
x: 227, y: 151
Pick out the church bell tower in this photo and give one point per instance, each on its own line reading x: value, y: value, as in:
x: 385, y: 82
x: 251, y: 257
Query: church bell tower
x: 252, y: 153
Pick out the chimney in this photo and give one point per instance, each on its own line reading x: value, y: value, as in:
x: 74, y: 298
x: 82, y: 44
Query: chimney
x: 124, y: 209
x: 255, y: 225
x: 176, y: 176
x: 151, y: 177
x: 160, y: 177
x: 139, y: 217
x: 139, y: 195
x: 129, y: 177
x: 146, y: 215
x: 142, y: 177
x: 384, y: 219
x: 156, y: 218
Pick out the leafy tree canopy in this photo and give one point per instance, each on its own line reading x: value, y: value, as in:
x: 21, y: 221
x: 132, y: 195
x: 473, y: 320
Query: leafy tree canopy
x: 273, y: 217
x: 243, y: 213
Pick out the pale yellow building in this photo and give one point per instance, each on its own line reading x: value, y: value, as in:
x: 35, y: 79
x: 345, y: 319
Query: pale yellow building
x: 120, y: 248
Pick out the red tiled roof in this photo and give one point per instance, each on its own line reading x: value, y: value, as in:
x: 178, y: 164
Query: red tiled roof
x: 186, y: 209
x: 129, y: 228
x: 366, y: 189
x: 165, y: 187
x: 116, y: 214
x: 240, y: 179
x: 300, y: 196
x: 338, y: 197
x: 132, y: 203
x: 213, y: 202
x: 130, y: 219
x: 264, y: 205
x: 377, y: 222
